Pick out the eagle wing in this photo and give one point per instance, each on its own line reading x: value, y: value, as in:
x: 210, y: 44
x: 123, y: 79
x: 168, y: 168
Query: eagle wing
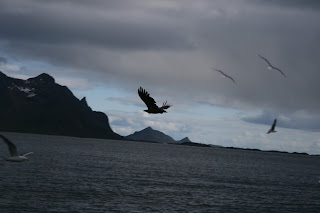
x: 145, y: 97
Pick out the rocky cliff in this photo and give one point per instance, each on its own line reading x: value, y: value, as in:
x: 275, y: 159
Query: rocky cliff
x: 39, y: 105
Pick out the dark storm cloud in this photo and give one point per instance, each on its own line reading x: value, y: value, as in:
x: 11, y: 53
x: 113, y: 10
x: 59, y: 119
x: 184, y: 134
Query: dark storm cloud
x: 168, y: 47
x: 68, y: 24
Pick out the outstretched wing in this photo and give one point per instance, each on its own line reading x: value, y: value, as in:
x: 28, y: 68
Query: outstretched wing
x: 274, y: 124
x: 12, y: 148
x: 165, y: 105
x: 149, y: 101
x: 266, y: 60
x: 279, y: 70
x: 27, y: 154
x: 230, y: 78
x: 225, y: 75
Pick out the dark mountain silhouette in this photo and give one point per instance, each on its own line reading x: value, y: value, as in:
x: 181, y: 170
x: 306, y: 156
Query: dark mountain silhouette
x: 186, y: 139
x: 194, y: 144
x: 39, y: 105
x: 150, y: 135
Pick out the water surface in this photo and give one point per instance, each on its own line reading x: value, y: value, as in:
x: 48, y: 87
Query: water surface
x: 67, y: 174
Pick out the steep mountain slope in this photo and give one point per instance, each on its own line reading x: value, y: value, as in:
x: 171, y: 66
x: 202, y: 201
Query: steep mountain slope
x: 39, y: 105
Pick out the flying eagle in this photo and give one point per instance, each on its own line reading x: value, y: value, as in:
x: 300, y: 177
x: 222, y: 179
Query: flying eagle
x: 271, y: 66
x: 151, y: 103
x: 15, y: 157
x: 271, y: 130
x: 225, y: 75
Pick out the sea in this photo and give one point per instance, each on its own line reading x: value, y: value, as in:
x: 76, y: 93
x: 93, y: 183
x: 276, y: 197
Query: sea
x: 69, y: 174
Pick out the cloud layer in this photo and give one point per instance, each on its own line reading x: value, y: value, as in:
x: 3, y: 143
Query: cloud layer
x: 224, y: 131
x: 168, y: 47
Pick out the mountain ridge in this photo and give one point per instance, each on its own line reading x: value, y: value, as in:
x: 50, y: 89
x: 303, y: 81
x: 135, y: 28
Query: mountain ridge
x: 40, y: 105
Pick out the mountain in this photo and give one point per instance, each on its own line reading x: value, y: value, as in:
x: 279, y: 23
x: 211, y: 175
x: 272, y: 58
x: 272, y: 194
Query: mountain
x: 150, y: 135
x: 39, y: 105
x: 186, y: 139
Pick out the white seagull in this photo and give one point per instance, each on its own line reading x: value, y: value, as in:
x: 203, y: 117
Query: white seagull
x: 271, y: 66
x: 225, y: 75
x: 15, y: 157
x: 271, y: 130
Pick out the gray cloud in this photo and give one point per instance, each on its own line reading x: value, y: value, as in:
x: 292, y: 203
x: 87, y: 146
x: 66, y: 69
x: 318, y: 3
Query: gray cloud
x: 120, y: 122
x: 3, y: 61
x: 38, y: 23
x: 169, y: 46
x: 127, y: 101
x: 297, y: 120
x: 299, y: 4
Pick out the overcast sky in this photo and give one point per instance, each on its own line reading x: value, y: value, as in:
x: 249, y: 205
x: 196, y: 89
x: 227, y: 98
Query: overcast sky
x: 105, y: 50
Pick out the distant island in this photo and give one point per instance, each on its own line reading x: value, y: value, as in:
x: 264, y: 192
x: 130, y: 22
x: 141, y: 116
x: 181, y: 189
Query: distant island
x: 259, y: 150
x: 154, y: 136
x: 150, y: 135
x: 194, y: 144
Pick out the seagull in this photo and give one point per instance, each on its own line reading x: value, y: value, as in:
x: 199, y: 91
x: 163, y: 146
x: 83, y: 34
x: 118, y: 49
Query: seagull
x: 271, y: 66
x: 271, y: 130
x: 151, y: 103
x: 225, y: 75
x: 15, y: 157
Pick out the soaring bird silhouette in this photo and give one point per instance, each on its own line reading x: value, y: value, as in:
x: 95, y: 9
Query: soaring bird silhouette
x: 225, y: 75
x: 151, y: 103
x: 271, y: 130
x: 271, y: 66
x: 15, y: 157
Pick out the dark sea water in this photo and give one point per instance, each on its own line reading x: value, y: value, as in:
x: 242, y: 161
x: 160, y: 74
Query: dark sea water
x: 67, y: 174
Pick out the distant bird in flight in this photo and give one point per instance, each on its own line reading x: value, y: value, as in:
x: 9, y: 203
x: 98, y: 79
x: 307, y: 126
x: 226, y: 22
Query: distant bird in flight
x: 15, y: 157
x: 271, y: 66
x: 224, y: 75
x: 151, y: 103
x: 271, y: 130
